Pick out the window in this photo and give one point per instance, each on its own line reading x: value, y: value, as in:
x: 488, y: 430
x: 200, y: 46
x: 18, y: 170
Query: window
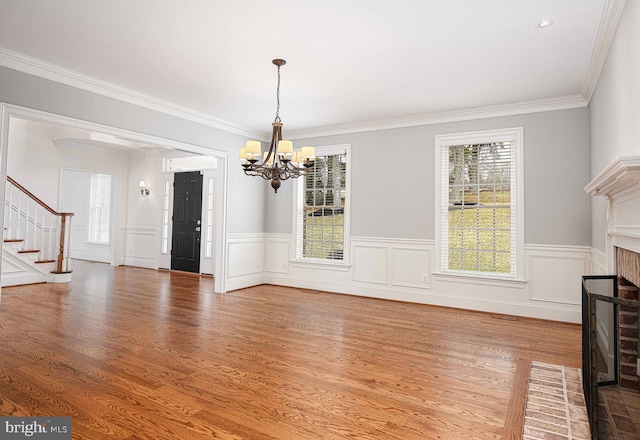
x: 166, y: 215
x: 479, y: 191
x: 99, y: 208
x: 208, y: 240
x: 322, y: 214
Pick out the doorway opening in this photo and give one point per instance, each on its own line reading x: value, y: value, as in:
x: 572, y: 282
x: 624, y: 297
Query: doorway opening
x: 127, y: 239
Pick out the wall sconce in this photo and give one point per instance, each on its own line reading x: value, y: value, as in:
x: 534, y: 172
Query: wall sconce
x: 144, y: 191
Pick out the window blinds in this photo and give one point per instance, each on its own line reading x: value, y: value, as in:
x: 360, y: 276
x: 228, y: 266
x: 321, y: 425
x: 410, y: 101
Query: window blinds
x: 478, y: 207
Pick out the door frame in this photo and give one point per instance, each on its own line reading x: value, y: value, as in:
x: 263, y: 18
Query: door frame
x: 164, y: 258
x: 8, y: 111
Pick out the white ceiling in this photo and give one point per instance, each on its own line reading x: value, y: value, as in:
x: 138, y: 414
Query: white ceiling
x: 348, y: 61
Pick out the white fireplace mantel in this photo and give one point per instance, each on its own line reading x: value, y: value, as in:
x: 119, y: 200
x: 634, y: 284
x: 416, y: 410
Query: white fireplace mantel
x: 620, y: 184
x: 619, y: 178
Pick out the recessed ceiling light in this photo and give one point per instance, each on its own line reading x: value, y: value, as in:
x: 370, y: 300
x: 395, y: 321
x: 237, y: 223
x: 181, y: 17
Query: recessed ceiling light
x: 544, y: 23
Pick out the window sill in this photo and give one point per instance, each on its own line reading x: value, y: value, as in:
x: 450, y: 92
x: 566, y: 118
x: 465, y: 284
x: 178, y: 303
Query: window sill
x: 97, y: 243
x: 480, y: 279
x: 318, y: 264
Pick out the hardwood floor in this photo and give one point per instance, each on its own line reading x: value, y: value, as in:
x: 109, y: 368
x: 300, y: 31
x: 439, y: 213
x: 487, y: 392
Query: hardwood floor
x: 140, y: 354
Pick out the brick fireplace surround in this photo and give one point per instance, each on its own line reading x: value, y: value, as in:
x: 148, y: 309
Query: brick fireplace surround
x: 628, y: 268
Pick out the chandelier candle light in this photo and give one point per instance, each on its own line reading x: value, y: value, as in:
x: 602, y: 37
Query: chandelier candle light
x: 281, y: 162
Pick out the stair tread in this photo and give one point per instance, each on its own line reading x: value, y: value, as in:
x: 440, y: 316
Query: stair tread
x: 13, y: 240
x: 28, y: 251
x: 45, y: 261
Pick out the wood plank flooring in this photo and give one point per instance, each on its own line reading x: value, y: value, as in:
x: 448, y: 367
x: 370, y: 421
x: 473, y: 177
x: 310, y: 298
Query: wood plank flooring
x: 134, y: 353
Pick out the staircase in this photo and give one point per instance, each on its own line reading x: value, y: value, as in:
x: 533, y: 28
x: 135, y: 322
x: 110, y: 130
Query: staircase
x: 36, y: 240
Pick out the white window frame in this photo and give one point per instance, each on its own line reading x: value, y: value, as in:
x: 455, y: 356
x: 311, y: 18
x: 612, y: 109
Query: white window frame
x: 297, y: 222
x: 208, y: 190
x: 94, y: 209
x: 442, y: 144
x: 165, y: 216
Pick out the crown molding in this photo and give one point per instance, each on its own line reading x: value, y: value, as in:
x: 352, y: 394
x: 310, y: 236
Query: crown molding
x: 33, y: 66
x: 536, y: 106
x: 606, y: 32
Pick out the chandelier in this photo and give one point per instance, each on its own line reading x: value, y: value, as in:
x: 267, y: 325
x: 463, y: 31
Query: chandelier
x: 281, y: 162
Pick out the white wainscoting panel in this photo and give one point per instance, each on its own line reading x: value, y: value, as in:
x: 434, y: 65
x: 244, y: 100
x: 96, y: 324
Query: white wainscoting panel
x: 78, y: 238
x: 277, y: 248
x: 245, y: 253
x: 403, y: 270
x: 245, y: 260
x: 84, y: 250
x: 411, y: 266
x: 370, y: 263
x: 555, y: 273
x: 141, y: 247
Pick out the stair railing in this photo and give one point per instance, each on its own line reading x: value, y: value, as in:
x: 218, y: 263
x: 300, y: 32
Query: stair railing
x: 37, y: 226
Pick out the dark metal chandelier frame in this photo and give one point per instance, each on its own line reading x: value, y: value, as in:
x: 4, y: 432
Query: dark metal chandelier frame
x: 276, y: 165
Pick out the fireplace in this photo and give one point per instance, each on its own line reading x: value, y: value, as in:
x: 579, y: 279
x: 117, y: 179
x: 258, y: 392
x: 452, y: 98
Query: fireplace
x: 611, y: 305
x: 609, y: 338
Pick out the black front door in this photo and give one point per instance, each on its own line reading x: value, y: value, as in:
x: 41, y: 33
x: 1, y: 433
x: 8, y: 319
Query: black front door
x: 187, y: 209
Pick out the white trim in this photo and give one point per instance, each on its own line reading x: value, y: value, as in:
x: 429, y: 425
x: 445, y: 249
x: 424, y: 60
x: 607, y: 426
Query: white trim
x: 625, y: 241
x: 395, y: 241
x: 42, y: 69
x: 138, y: 230
x: 606, y: 32
x: 321, y: 264
x: 540, y: 310
x: 8, y: 111
x: 140, y: 261
x: 461, y: 277
x: 536, y: 106
x: 556, y: 248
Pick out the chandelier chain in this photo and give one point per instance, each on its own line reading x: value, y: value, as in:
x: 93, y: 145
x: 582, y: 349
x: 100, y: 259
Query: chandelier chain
x: 278, y: 99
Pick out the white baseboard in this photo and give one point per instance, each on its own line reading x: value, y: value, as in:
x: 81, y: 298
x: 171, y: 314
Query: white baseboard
x: 243, y: 282
x: 145, y: 262
x: 550, y: 311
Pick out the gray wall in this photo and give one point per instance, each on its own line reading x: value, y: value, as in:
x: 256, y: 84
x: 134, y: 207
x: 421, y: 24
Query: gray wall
x: 393, y: 178
x: 389, y: 199
x: 40, y: 94
x: 614, y: 111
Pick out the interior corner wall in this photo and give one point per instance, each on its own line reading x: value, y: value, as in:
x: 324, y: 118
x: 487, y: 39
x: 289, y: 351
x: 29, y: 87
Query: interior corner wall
x: 614, y: 110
